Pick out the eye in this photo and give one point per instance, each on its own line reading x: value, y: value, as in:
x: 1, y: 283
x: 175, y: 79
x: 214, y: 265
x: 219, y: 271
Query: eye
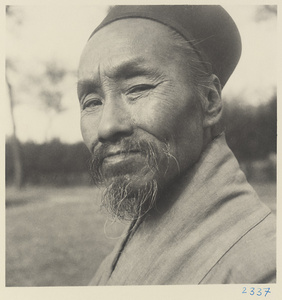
x: 91, y: 103
x: 139, y: 88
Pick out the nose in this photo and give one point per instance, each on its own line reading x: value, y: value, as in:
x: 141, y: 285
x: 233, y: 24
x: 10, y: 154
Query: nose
x: 115, y: 122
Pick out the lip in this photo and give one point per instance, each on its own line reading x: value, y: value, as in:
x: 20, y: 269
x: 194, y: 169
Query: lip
x: 121, y: 152
x: 118, y: 156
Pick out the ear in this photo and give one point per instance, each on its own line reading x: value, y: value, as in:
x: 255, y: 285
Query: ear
x: 213, y: 104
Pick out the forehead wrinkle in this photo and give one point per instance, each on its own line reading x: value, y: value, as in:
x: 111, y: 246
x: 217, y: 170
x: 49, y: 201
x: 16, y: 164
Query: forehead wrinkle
x: 129, y: 68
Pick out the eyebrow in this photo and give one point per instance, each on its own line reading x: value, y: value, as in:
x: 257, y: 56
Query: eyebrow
x: 124, y: 70
x: 85, y: 86
x: 131, y: 68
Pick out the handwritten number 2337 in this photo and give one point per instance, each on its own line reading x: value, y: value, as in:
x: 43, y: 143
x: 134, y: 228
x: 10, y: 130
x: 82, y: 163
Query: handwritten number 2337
x: 256, y: 291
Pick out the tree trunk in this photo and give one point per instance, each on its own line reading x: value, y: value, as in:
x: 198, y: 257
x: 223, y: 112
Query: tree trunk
x: 18, y: 172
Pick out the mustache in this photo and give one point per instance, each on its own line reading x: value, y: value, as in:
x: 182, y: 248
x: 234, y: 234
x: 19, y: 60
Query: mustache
x: 125, y: 146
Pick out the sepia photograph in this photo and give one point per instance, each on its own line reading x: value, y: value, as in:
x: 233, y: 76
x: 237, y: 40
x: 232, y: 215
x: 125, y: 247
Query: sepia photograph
x: 141, y: 146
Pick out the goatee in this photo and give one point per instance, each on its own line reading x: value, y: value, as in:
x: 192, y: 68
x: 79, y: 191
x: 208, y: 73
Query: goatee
x: 127, y: 196
x: 124, y: 202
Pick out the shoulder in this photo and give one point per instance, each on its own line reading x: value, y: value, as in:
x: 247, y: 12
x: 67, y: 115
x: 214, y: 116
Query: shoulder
x: 103, y: 271
x: 252, y: 259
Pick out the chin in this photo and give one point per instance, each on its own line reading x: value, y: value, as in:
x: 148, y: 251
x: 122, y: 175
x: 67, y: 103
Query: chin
x: 137, y: 177
x: 130, y: 197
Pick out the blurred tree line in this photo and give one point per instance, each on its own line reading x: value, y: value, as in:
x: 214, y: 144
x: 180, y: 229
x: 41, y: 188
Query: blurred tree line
x: 52, y: 163
x: 250, y: 132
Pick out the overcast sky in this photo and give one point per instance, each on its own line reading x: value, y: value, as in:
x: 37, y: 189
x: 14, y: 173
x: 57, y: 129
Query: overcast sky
x: 60, y: 33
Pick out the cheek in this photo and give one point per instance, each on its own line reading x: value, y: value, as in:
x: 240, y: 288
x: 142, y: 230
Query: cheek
x: 189, y: 140
x: 168, y: 115
x: 156, y: 114
x: 88, y: 127
x: 178, y: 122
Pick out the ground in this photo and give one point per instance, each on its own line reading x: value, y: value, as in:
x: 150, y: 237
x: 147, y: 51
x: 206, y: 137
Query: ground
x: 59, y: 236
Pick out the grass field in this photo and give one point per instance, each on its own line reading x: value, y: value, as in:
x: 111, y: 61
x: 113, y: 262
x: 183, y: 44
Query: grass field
x: 56, y: 236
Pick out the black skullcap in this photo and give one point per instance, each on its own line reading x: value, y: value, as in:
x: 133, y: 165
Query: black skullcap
x: 209, y: 28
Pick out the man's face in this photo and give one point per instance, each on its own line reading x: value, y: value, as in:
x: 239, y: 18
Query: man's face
x: 136, y: 101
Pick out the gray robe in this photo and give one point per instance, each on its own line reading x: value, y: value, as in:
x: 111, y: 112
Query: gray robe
x: 216, y: 231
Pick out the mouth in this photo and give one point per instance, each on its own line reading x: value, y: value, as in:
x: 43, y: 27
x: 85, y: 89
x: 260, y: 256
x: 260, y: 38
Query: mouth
x: 119, y: 156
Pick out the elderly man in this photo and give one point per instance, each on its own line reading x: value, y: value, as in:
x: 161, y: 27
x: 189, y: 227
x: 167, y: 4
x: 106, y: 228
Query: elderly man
x: 150, y: 80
